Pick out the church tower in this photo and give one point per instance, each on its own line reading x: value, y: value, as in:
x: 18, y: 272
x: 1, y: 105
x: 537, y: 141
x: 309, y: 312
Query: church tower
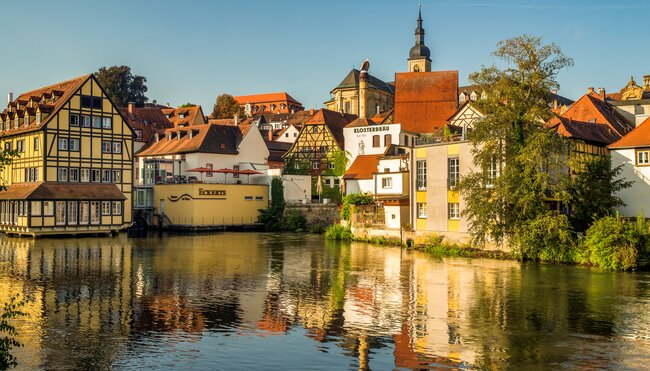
x: 419, y: 56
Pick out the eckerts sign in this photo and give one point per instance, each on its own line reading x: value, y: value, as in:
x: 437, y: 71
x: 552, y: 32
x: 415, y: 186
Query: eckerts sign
x: 211, y: 192
x: 369, y: 129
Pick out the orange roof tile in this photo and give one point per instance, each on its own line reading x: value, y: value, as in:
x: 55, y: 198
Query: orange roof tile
x: 425, y: 100
x: 189, y: 115
x: 638, y: 137
x: 587, y: 131
x: 276, y: 98
x: 62, y: 191
x: 149, y: 120
x: 208, y: 138
x: 591, y: 108
x: 362, y: 167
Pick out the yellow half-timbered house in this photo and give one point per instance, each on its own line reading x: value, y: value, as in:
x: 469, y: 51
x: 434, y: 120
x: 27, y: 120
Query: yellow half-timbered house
x: 73, y: 170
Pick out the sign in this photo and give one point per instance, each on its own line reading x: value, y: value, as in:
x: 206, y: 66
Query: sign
x: 370, y: 129
x: 211, y: 192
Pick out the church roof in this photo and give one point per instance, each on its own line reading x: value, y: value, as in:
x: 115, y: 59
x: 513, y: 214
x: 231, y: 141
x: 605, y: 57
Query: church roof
x: 351, y: 81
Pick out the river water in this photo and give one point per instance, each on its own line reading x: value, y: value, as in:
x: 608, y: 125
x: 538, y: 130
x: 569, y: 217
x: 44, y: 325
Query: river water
x: 242, y: 301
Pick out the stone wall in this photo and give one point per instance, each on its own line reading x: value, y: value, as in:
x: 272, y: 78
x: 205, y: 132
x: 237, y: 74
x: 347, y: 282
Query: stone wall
x: 317, y: 213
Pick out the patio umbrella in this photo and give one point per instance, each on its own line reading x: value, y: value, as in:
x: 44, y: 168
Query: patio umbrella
x: 319, y: 187
x: 248, y: 174
x: 200, y: 170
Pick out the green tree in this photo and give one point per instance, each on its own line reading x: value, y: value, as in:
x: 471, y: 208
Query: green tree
x: 122, y: 86
x: 187, y: 105
x: 512, y: 136
x: 273, y: 217
x: 592, y: 191
x: 226, y: 107
x: 10, y: 311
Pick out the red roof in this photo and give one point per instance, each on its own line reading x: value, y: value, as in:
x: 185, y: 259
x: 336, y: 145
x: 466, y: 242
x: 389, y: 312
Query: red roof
x: 587, y: 131
x: 639, y: 137
x: 335, y: 122
x: 363, y: 167
x: 425, y: 100
x: 591, y: 108
x: 148, y: 120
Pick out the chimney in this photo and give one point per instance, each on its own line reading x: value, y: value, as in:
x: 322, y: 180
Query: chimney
x: 270, y: 134
x: 590, y: 90
x: 311, y: 112
x: 10, y: 97
x: 131, y: 105
x: 555, y: 104
x: 646, y: 81
x: 601, y: 92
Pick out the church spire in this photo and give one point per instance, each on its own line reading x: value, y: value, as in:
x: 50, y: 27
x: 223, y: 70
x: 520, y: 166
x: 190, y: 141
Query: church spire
x: 419, y: 56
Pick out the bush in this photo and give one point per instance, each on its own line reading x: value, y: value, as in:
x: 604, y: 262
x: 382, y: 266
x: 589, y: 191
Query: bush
x: 295, y: 221
x: 548, y: 237
x: 351, y: 200
x: 338, y: 232
x: 615, y: 245
x: 11, y: 310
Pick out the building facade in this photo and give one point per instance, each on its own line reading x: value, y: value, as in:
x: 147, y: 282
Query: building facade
x: 74, y: 169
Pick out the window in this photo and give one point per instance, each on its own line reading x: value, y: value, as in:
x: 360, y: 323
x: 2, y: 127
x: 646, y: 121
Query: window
x: 327, y: 181
x: 286, y: 135
x: 643, y: 157
x: 48, y: 208
x: 209, y: 166
x: 421, y: 174
x: 37, y: 144
x: 39, y: 118
x: 314, y: 129
x: 295, y: 135
x: 492, y: 172
x: 454, y: 210
x: 36, y: 208
x: 347, y: 107
x: 8, y: 146
x: 106, y: 176
x: 97, y: 122
x: 94, y: 212
x: 461, y: 98
x: 60, y: 212
x: 91, y: 102
x: 107, y: 122
x: 74, y: 120
x: 63, y: 144
x: 106, y: 146
x: 236, y: 168
x: 388, y: 140
x: 117, y: 208
x: 386, y: 183
x: 62, y: 174
x: 20, y: 145
x: 106, y: 208
x: 375, y: 141
x: 72, y: 212
x: 73, y: 144
x: 74, y: 175
x: 85, y: 121
x: 337, y: 182
x: 85, y: 175
x: 138, y: 134
x: 117, y: 147
x: 331, y: 165
x: 315, y: 165
x: 422, y: 210
x: 117, y: 176
x: 96, y: 175
x: 83, y: 212
x: 453, y: 172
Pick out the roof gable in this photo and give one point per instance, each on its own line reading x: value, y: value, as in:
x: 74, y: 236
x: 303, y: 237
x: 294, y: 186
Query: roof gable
x: 351, y: 81
x: 592, y: 109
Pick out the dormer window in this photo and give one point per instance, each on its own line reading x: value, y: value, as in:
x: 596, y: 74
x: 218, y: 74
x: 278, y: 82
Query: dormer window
x: 26, y: 120
x: 169, y: 136
x: 473, y: 96
x: 16, y: 122
x: 179, y: 135
x: 181, y: 116
x: 461, y: 98
x: 39, y: 117
x: 273, y: 107
x: 483, y: 95
x: 138, y: 134
x: 157, y: 136
x: 283, y: 106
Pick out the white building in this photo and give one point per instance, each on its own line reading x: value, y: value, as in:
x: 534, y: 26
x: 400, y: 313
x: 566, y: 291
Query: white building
x: 633, y: 152
x: 365, y: 137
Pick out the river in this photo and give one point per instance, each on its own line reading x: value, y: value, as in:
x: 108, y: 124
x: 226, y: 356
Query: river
x: 242, y: 301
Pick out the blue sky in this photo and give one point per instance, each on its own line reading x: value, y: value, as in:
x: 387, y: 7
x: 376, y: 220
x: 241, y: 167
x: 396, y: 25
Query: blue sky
x: 194, y: 50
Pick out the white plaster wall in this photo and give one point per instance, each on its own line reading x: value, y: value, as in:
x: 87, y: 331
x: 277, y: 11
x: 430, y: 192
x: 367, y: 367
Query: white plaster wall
x: 393, y: 219
x: 296, y: 187
x: 289, y: 136
x: 354, y: 136
x: 252, y: 148
x: 359, y: 186
x: 637, y: 197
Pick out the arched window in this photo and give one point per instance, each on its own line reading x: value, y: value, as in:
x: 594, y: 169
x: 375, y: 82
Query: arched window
x: 416, y: 68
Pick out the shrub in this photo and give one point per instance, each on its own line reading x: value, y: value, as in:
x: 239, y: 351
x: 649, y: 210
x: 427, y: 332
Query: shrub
x: 548, y: 237
x: 615, y: 245
x: 295, y: 221
x: 351, y: 200
x: 338, y: 232
x: 11, y: 310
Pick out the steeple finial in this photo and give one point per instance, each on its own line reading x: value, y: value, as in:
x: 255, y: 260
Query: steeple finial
x: 420, y: 11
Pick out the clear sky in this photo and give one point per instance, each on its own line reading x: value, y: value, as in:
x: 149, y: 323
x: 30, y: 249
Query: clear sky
x: 191, y: 51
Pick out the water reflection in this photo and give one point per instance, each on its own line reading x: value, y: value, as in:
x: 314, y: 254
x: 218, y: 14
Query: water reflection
x: 240, y: 301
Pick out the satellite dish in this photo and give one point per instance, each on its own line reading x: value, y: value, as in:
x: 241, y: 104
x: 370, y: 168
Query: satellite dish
x: 365, y: 66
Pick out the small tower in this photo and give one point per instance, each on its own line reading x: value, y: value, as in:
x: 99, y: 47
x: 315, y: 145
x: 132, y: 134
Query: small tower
x: 363, y: 89
x: 419, y: 56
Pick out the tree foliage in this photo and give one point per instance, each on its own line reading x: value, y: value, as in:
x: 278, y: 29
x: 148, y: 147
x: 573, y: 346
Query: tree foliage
x: 122, y: 86
x: 187, y: 105
x: 11, y: 310
x: 226, y: 107
x: 273, y: 217
x: 592, y: 191
x: 512, y: 134
x: 614, y: 244
x: 352, y: 200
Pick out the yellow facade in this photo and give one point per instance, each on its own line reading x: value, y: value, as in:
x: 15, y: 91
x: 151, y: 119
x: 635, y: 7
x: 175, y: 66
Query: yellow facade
x: 205, y: 204
x: 78, y: 143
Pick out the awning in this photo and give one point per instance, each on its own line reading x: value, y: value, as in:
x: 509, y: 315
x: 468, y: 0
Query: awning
x: 62, y: 191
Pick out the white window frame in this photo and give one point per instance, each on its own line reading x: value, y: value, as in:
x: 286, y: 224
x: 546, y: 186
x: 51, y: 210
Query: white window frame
x: 453, y: 211
x: 62, y: 174
x: 387, y: 183
x: 643, y: 157
x: 85, y: 175
x: 422, y: 210
x: 117, y: 208
x: 63, y: 144
x: 421, y: 173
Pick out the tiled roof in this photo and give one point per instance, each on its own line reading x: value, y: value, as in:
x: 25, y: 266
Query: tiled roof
x: 361, y: 121
x: 363, y: 167
x: 266, y: 98
x: 334, y: 121
x: 277, y: 150
x: 382, y: 116
x: 208, y: 138
x: 351, y: 81
x: 425, y: 100
x: 587, y: 131
x: 189, y: 115
x: 590, y: 108
x: 638, y: 137
x: 147, y: 119
x: 62, y: 191
x: 62, y: 91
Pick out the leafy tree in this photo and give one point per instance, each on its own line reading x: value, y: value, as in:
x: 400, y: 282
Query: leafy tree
x: 226, y: 107
x: 187, y: 105
x: 6, y: 157
x: 122, y: 86
x: 273, y: 217
x: 592, y: 191
x: 513, y: 136
x: 11, y: 310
